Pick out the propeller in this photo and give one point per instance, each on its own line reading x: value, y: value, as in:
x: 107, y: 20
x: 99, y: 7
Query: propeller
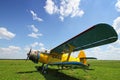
x: 28, y: 54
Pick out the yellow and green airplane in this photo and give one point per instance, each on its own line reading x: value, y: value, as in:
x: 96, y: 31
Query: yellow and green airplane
x: 97, y: 35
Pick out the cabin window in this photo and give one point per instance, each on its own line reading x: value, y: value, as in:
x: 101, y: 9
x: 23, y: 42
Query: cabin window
x: 56, y: 56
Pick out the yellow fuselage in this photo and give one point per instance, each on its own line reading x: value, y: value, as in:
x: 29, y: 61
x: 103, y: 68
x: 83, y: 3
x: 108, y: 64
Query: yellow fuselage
x: 52, y: 58
x: 45, y: 58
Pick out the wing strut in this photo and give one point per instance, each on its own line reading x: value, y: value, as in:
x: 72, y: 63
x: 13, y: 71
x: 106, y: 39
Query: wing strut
x: 71, y: 48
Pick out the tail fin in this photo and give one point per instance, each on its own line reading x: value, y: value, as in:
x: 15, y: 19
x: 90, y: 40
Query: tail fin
x: 82, y: 57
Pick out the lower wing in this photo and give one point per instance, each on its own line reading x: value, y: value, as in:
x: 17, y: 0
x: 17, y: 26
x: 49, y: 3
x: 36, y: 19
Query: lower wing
x: 69, y: 64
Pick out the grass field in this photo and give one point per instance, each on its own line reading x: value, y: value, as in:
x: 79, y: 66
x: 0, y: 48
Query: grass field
x: 21, y: 70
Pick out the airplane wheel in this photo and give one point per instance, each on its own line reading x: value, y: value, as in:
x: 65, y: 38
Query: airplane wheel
x: 44, y: 69
x: 44, y: 72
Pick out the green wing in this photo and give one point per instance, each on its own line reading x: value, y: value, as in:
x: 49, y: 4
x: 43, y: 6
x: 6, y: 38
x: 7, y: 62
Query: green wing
x: 97, y: 35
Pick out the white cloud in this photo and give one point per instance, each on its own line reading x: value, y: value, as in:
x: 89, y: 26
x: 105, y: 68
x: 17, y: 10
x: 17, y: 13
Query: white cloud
x: 35, y: 46
x: 61, y: 18
x: 35, y: 35
x: 108, y: 52
x: 5, y: 34
x: 41, y: 44
x: 70, y: 8
x: 50, y: 7
x: 117, y: 5
x: 10, y: 50
x: 35, y: 16
x: 116, y: 25
x: 34, y: 29
x: 66, y: 8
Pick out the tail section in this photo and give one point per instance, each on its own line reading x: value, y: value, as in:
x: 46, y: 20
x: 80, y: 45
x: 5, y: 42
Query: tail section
x: 82, y: 57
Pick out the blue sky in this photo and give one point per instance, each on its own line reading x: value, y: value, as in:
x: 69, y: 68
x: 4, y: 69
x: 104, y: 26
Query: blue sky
x: 44, y: 24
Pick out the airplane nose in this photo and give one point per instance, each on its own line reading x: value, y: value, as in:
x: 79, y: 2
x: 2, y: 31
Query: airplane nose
x: 34, y: 56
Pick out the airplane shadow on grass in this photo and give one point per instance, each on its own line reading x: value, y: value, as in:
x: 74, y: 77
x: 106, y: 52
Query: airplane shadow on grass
x: 25, y: 72
x: 55, y: 74
x: 51, y: 74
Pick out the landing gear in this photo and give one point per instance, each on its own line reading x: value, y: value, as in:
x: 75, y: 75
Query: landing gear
x: 44, y: 68
x: 88, y: 66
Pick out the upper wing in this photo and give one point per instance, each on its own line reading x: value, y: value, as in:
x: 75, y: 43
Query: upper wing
x: 97, y: 35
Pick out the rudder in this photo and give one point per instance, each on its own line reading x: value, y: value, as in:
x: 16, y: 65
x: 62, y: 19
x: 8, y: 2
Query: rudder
x: 82, y: 57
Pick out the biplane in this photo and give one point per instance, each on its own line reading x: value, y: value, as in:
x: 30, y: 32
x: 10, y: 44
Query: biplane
x: 99, y: 34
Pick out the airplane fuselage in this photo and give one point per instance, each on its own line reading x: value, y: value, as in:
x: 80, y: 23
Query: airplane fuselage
x: 46, y: 58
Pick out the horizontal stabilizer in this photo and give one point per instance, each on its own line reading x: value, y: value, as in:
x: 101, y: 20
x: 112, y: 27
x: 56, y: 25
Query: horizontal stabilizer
x: 97, y: 35
x: 88, y: 58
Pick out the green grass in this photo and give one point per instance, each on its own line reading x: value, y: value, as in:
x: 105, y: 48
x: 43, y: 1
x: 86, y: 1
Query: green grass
x: 21, y: 70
